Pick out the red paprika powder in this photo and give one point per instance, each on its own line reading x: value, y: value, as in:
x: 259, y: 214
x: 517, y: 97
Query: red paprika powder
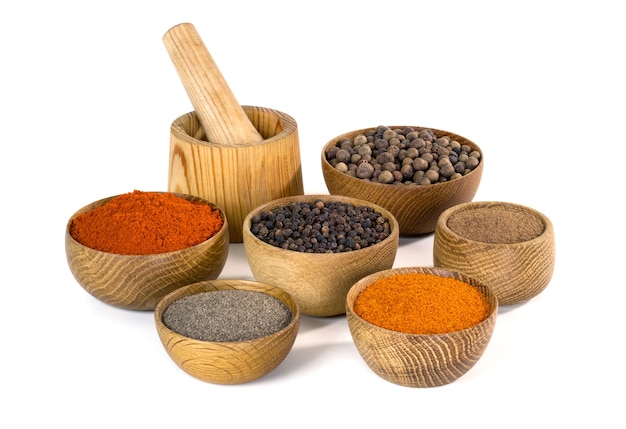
x: 142, y: 223
x: 422, y: 304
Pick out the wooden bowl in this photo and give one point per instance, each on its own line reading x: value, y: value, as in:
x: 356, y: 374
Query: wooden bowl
x: 318, y: 282
x: 419, y: 360
x: 517, y: 271
x: 138, y: 282
x: 228, y: 362
x: 415, y: 207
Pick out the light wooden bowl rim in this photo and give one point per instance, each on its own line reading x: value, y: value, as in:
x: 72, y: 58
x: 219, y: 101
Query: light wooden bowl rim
x: 394, y: 187
x: 393, y: 235
x: 228, y: 284
x: 442, y: 223
x: 288, y: 126
x: 208, y: 242
x: 362, y: 284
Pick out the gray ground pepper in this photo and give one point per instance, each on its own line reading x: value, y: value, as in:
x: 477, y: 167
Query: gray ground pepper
x: 227, y: 315
x: 496, y: 224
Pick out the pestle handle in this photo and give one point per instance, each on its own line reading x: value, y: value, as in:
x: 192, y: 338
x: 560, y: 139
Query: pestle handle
x: 222, y: 117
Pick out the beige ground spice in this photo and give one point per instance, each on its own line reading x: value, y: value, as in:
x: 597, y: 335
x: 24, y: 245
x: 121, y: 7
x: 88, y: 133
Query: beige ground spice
x: 496, y: 224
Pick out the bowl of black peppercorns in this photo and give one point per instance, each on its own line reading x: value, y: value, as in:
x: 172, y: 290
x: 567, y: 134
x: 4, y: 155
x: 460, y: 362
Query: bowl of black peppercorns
x: 414, y: 172
x: 315, y: 247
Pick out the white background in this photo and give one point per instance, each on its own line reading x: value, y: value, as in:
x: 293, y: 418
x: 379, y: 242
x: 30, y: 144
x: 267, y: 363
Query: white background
x: 87, y: 95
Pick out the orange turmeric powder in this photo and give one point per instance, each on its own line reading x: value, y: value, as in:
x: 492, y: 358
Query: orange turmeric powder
x: 421, y: 304
x: 142, y: 223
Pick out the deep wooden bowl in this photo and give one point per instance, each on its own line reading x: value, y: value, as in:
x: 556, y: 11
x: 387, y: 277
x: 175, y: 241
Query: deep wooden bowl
x: 228, y: 362
x: 237, y: 177
x: 138, y: 282
x: 415, y: 207
x: 419, y: 360
x: 318, y: 282
x: 516, y: 272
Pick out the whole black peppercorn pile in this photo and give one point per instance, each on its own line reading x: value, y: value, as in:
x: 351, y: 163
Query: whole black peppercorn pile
x: 403, y: 156
x: 321, y: 227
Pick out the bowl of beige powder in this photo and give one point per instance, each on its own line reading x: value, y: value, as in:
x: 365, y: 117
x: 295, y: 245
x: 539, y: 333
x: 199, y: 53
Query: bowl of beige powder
x: 508, y: 246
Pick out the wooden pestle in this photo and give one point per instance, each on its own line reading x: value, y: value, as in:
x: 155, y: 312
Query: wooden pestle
x: 222, y: 117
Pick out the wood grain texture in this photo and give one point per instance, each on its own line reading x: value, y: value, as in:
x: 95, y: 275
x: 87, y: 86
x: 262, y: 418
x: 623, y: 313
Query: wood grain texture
x: 420, y: 360
x: 237, y: 178
x: 228, y: 362
x: 221, y: 116
x: 417, y: 207
x: 515, y: 272
x: 318, y: 282
x: 138, y: 282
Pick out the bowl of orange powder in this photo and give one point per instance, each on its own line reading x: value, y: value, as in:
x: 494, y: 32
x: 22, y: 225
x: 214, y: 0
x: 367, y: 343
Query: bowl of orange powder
x: 133, y: 249
x: 420, y: 326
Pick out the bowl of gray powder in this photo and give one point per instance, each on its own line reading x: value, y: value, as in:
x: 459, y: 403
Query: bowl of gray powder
x: 227, y: 331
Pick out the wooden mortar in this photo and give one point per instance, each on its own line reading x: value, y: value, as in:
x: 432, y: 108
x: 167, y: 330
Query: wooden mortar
x: 237, y: 157
x: 237, y: 178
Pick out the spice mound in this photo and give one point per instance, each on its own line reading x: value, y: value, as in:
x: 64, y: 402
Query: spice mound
x: 422, y: 304
x: 227, y: 315
x: 321, y: 227
x: 403, y: 156
x: 496, y: 224
x: 143, y: 223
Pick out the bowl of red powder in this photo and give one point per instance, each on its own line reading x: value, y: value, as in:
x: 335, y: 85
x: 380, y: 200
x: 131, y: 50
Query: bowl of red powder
x: 508, y: 246
x: 131, y: 250
x: 421, y: 326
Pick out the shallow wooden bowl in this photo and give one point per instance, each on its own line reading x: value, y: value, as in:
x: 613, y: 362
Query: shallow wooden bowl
x: 228, y: 362
x: 138, y: 282
x: 516, y: 272
x: 318, y: 282
x: 419, y: 360
x: 415, y: 207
